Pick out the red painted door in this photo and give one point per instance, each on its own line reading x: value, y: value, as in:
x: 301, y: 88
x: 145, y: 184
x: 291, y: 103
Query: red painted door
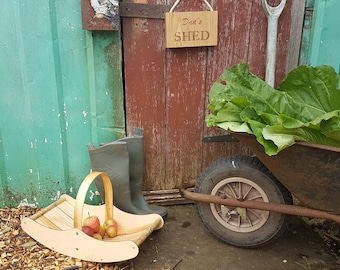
x: 166, y: 90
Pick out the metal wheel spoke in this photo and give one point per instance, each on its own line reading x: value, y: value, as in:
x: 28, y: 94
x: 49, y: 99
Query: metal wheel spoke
x: 249, y: 221
x: 239, y: 190
x: 232, y: 190
x: 246, y: 194
x: 255, y: 197
x: 224, y: 194
x: 254, y: 213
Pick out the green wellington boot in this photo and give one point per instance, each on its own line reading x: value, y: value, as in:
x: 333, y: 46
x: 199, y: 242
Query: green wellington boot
x: 113, y: 159
x: 135, y: 147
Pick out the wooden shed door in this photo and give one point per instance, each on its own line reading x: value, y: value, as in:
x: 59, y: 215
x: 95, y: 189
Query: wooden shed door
x: 167, y: 89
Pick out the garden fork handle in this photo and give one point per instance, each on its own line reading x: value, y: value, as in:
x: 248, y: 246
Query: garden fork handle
x: 273, y: 14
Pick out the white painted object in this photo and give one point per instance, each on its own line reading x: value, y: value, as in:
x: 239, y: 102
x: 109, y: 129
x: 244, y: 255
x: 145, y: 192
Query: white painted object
x: 273, y: 14
x: 104, y: 8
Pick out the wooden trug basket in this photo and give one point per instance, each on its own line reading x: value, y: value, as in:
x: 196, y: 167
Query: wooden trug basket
x: 58, y: 226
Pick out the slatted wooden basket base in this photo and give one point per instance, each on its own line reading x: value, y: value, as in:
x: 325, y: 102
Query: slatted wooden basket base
x: 58, y: 226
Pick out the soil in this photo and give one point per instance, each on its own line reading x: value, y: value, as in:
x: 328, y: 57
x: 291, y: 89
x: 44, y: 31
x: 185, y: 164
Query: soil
x: 183, y: 244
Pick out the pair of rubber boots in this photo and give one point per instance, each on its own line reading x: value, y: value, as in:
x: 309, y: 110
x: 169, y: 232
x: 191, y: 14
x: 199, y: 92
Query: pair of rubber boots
x: 123, y: 162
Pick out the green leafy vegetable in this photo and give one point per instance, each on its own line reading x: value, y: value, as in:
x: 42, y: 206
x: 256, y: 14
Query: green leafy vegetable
x: 306, y: 107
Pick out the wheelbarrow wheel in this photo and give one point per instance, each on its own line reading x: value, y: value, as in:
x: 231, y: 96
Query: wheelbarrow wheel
x: 244, y: 178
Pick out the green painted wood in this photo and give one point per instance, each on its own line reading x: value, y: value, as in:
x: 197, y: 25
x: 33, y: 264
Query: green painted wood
x: 310, y: 3
x: 306, y: 34
x: 61, y: 88
x: 322, y: 48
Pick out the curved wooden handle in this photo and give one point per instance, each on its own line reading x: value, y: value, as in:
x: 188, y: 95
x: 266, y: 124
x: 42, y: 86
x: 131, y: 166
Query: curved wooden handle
x: 80, y: 199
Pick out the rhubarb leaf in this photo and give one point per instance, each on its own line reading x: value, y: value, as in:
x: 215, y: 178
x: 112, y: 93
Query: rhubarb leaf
x: 306, y: 107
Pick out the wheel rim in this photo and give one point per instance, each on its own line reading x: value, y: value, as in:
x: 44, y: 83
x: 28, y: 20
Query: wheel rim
x: 239, y: 219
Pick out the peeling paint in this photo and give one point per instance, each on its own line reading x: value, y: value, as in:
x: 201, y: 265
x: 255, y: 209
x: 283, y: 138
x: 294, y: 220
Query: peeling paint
x: 93, y: 194
x: 24, y: 202
x: 57, y: 197
x: 65, y: 111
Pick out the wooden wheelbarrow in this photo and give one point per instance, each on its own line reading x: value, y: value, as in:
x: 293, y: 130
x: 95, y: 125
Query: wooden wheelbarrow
x: 245, y: 200
x: 58, y: 226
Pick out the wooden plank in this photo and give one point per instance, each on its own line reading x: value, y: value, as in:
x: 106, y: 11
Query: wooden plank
x: 257, y: 40
x: 59, y: 219
x: 233, y: 48
x: 165, y: 197
x: 144, y: 59
x: 185, y: 85
x: 45, y: 221
x: 149, y: 11
x: 185, y: 113
x: 48, y: 208
x: 67, y: 209
x: 294, y: 43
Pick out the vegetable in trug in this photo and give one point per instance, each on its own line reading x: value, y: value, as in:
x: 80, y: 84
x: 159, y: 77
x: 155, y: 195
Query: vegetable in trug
x: 306, y: 107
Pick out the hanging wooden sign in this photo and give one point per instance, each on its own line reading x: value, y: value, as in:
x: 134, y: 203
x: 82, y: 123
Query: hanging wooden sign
x: 191, y: 29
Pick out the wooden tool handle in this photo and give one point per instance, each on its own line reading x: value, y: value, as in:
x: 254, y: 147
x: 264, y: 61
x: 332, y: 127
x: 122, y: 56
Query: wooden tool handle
x: 80, y: 199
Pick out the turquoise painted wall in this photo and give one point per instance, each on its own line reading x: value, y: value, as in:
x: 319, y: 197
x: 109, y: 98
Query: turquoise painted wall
x: 322, y: 35
x: 60, y: 89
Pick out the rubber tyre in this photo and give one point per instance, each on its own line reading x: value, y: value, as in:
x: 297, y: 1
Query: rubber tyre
x: 231, y: 177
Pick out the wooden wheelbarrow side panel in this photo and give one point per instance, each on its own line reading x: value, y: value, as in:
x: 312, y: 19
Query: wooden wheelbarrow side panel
x: 309, y: 171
